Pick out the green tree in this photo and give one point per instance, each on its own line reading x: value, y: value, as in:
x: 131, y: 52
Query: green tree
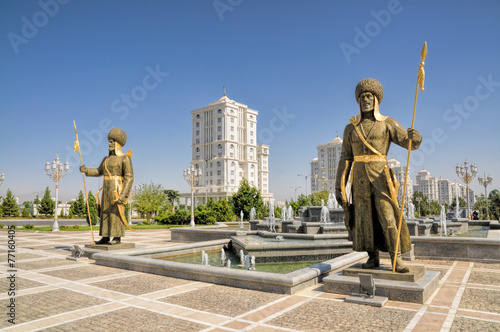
x: 9, y: 206
x: 315, y: 198
x: 304, y: 200
x: 222, y: 210
x: 47, y: 205
x: 93, y: 209
x: 149, y: 200
x: 494, y: 206
x: 29, y: 206
x: 172, y: 196
x: 245, y: 198
x: 204, y: 215
x: 78, y: 207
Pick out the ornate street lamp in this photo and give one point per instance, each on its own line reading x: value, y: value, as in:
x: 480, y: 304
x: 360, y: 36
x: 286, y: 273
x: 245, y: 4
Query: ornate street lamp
x: 306, y: 176
x: 295, y: 192
x: 58, y: 172
x: 466, y: 176
x: 485, y: 181
x: 418, y: 199
x: 191, y: 175
x: 2, y: 178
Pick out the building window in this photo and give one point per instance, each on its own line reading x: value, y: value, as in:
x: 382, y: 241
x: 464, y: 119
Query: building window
x: 218, y: 182
x: 219, y: 137
x: 232, y: 181
x: 219, y: 120
x: 197, y: 141
x: 232, y: 128
x: 197, y: 116
x: 197, y: 149
x: 232, y: 172
x: 251, y: 124
x: 219, y: 146
x: 211, y: 173
x: 197, y: 133
x: 251, y: 133
x: 219, y: 111
x: 197, y: 124
x: 218, y: 163
x: 219, y: 128
x: 218, y: 172
x: 220, y: 154
x: 232, y: 137
x: 251, y: 141
x: 232, y: 119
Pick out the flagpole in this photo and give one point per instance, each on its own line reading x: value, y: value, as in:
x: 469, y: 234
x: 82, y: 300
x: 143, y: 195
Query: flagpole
x: 420, y: 83
x: 77, y: 147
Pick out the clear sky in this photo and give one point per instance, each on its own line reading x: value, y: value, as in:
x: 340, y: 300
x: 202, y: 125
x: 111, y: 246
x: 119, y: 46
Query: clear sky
x: 144, y: 65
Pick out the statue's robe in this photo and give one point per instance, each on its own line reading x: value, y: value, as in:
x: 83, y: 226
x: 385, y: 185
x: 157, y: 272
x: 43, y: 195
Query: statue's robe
x: 117, y: 183
x: 374, y: 213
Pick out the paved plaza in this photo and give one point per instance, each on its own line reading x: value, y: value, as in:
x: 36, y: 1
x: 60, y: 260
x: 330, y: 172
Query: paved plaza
x: 53, y: 293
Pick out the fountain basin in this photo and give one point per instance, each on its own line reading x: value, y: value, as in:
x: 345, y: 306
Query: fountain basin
x: 294, y: 247
x: 144, y: 260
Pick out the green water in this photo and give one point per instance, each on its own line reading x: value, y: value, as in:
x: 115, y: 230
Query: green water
x: 214, y: 260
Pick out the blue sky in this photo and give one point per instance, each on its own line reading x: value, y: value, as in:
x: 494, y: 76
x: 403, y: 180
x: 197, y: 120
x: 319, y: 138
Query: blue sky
x: 79, y: 60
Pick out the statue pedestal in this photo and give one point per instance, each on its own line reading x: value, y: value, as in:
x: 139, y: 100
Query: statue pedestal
x: 415, y: 286
x: 108, y: 247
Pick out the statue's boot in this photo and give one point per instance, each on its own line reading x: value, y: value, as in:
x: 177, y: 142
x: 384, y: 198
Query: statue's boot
x: 400, y: 267
x: 103, y: 240
x: 373, y: 260
x: 115, y: 240
x: 391, y: 237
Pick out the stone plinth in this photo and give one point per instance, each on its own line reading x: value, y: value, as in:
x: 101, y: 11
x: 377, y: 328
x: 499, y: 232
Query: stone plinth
x: 109, y: 247
x: 417, y: 291
x: 424, y: 229
x: 385, y: 272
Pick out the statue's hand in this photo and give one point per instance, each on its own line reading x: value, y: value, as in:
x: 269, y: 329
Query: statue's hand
x: 83, y: 169
x: 120, y: 200
x: 414, y: 135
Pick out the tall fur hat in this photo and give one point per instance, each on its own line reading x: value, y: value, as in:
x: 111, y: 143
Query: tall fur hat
x: 118, y: 135
x: 370, y: 85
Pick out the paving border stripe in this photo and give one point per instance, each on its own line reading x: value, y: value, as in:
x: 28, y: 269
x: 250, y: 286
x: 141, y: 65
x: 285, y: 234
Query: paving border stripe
x: 456, y: 301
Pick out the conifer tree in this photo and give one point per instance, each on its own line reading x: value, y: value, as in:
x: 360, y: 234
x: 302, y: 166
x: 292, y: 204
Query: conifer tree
x: 92, y: 208
x: 9, y: 206
x: 47, y: 205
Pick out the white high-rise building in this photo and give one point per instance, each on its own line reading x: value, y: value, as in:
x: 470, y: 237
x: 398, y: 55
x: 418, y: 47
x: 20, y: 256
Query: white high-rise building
x: 324, y: 167
x: 225, y: 149
x: 399, y: 173
x: 426, y: 184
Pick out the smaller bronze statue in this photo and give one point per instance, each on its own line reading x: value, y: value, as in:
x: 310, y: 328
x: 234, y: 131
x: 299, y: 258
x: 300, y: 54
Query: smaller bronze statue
x: 371, y: 217
x: 118, y: 178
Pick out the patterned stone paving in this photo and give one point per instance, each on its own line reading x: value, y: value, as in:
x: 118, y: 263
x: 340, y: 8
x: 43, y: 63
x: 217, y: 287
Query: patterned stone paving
x: 56, y: 294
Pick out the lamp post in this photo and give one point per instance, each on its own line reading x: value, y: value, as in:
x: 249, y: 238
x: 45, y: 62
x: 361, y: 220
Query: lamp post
x: 305, y: 176
x: 191, y: 175
x: 58, y: 172
x: 2, y: 178
x: 485, y: 181
x: 466, y: 176
x: 295, y: 191
x: 418, y: 200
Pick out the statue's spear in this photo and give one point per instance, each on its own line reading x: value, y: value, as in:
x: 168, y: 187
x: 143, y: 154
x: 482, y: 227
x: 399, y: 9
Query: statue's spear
x: 420, y: 84
x: 77, y: 148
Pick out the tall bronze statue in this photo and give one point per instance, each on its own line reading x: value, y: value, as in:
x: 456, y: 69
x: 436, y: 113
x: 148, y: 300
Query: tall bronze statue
x: 118, y: 178
x: 371, y: 207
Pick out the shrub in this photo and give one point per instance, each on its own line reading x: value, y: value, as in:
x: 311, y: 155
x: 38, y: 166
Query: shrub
x: 28, y: 226
x: 76, y: 226
x: 2, y: 225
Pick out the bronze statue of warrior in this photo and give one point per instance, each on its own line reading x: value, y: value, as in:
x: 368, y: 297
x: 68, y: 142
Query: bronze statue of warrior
x: 371, y: 208
x: 116, y: 168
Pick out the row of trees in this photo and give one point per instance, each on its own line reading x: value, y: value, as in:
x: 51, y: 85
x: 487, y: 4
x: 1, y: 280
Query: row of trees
x: 154, y: 202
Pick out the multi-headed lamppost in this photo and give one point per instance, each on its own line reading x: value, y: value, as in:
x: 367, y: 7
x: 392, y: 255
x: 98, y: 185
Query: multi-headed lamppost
x: 485, y: 181
x: 2, y: 178
x: 466, y: 176
x: 191, y: 175
x: 58, y: 172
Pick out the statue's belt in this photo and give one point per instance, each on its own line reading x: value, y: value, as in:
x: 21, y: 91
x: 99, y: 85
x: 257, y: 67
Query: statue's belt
x: 365, y: 158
